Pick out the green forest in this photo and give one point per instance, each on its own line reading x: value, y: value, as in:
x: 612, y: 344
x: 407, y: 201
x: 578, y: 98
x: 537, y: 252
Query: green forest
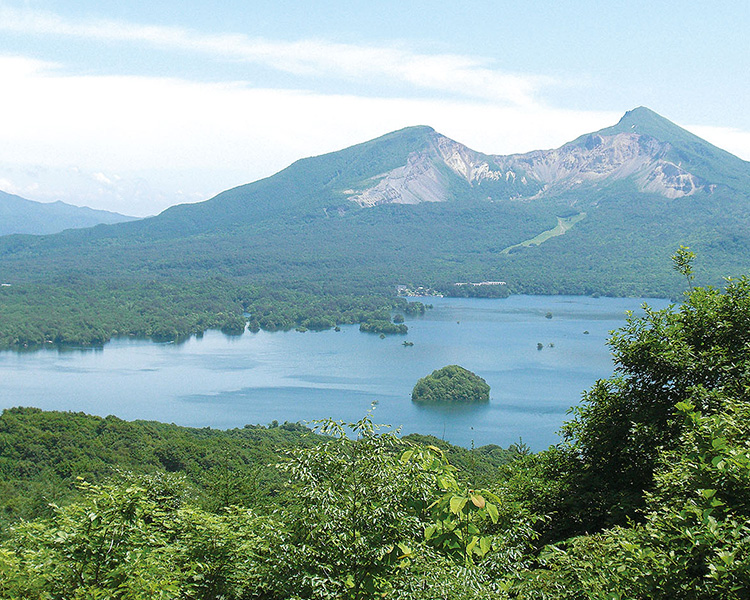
x: 293, y: 251
x: 451, y: 385
x: 83, y: 311
x: 646, y: 497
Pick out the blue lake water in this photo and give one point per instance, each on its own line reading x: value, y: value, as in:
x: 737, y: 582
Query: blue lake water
x: 224, y: 382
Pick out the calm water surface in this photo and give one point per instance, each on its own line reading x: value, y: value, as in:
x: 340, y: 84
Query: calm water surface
x: 226, y: 382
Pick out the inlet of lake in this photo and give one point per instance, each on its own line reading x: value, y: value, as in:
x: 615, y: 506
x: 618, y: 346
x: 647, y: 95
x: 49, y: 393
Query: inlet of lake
x: 224, y: 381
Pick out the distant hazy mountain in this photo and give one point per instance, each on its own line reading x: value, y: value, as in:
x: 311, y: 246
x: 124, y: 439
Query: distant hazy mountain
x: 18, y: 215
x: 601, y: 214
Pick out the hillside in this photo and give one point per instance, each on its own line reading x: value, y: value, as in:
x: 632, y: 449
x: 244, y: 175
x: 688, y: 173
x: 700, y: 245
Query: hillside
x: 18, y: 215
x: 43, y: 454
x: 599, y: 215
x: 649, y: 496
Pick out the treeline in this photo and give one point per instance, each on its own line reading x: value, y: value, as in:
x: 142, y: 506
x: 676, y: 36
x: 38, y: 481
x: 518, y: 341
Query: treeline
x: 43, y: 454
x: 648, y: 497
x: 159, y: 278
x: 82, y: 311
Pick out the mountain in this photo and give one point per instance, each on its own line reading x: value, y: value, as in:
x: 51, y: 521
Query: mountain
x: 656, y: 155
x: 601, y: 214
x: 18, y: 215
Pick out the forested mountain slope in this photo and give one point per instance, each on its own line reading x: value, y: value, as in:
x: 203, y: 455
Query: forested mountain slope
x: 600, y: 215
x: 416, y: 207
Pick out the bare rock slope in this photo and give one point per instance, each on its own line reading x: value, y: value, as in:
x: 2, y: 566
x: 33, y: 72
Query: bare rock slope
x: 631, y: 150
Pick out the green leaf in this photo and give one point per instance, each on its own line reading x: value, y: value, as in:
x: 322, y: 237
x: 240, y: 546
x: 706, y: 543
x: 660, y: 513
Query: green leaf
x: 492, y: 511
x: 719, y: 443
x: 457, y: 504
x: 406, y: 551
x: 485, y: 543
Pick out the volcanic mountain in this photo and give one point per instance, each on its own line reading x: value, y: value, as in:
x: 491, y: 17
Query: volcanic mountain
x: 601, y: 214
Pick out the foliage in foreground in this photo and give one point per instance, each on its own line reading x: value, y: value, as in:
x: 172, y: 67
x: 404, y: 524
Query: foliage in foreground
x: 660, y: 510
x: 43, y: 453
x: 352, y: 525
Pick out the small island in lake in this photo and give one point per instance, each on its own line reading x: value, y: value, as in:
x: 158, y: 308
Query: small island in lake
x: 451, y: 385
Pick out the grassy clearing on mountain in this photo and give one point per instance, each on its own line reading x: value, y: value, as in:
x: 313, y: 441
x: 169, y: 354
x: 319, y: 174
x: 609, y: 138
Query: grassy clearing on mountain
x: 563, y: 225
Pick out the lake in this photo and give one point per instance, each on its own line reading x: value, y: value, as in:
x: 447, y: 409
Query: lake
x: 223, y: 382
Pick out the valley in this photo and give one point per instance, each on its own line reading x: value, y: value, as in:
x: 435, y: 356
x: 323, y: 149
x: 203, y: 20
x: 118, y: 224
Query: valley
x: 113, y: 318
x: 366, y: 301
x: 411, y: 208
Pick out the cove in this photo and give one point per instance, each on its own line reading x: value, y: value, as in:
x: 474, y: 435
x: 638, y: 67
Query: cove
x: 223, y: 382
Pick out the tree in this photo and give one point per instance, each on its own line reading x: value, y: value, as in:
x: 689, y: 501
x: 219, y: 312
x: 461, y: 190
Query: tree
x: 139, y: 541
x: 697, y: 352
x: 694, y: 541
x: 451, y: 384
x: 358, y: 508
x: 683, y: 263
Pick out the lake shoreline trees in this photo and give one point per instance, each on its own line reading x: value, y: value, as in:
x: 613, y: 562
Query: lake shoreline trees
x: 648, y: 496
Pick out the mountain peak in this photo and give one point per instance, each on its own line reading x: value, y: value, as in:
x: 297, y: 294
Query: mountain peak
x: 645, y: 121
x: 416, y: 129
x: 409, y: 135
x: 19, y: 215
x: 641, y: 115
x: 681, y: 147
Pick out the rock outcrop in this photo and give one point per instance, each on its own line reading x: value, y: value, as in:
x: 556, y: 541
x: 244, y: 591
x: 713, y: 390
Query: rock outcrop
x: 595, y: 160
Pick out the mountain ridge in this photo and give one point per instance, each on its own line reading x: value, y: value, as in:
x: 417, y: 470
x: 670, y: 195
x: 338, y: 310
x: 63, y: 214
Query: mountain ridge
x: 642, y: 146
x: 417, y: 164
x: 415, y: 207
x: 22, y: 216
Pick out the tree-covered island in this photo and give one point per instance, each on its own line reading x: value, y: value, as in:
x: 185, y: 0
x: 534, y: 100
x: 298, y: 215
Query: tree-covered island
x: 451, y: 385
x: 647, y: 496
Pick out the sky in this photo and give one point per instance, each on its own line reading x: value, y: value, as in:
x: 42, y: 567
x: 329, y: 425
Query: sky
x: 135, y: 106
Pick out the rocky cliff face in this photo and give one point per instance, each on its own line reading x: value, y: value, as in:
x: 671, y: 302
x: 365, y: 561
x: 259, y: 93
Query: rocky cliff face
x: 599, y: 160
x: 426, y: 177
x: 596, y: 160
x: 419, y: 180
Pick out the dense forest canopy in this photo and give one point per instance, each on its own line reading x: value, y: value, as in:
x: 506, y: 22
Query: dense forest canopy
x: 85, y: 312
x: 451, y: 385
x: 300, y: 237
x: 648, y: 496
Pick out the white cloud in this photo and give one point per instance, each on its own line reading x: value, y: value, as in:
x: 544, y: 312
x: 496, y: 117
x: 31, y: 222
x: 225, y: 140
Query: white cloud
x: 172, y: 141
x: 11, y: 187
x: 465, y: 76
x: 101, y: 178
x: 211, y: 136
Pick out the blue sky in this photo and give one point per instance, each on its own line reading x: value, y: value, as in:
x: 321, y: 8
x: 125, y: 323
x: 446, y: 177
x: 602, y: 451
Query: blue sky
x: 134, y: 106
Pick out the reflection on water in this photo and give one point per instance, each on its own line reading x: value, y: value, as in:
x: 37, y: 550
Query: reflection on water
x: 224, y: 382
